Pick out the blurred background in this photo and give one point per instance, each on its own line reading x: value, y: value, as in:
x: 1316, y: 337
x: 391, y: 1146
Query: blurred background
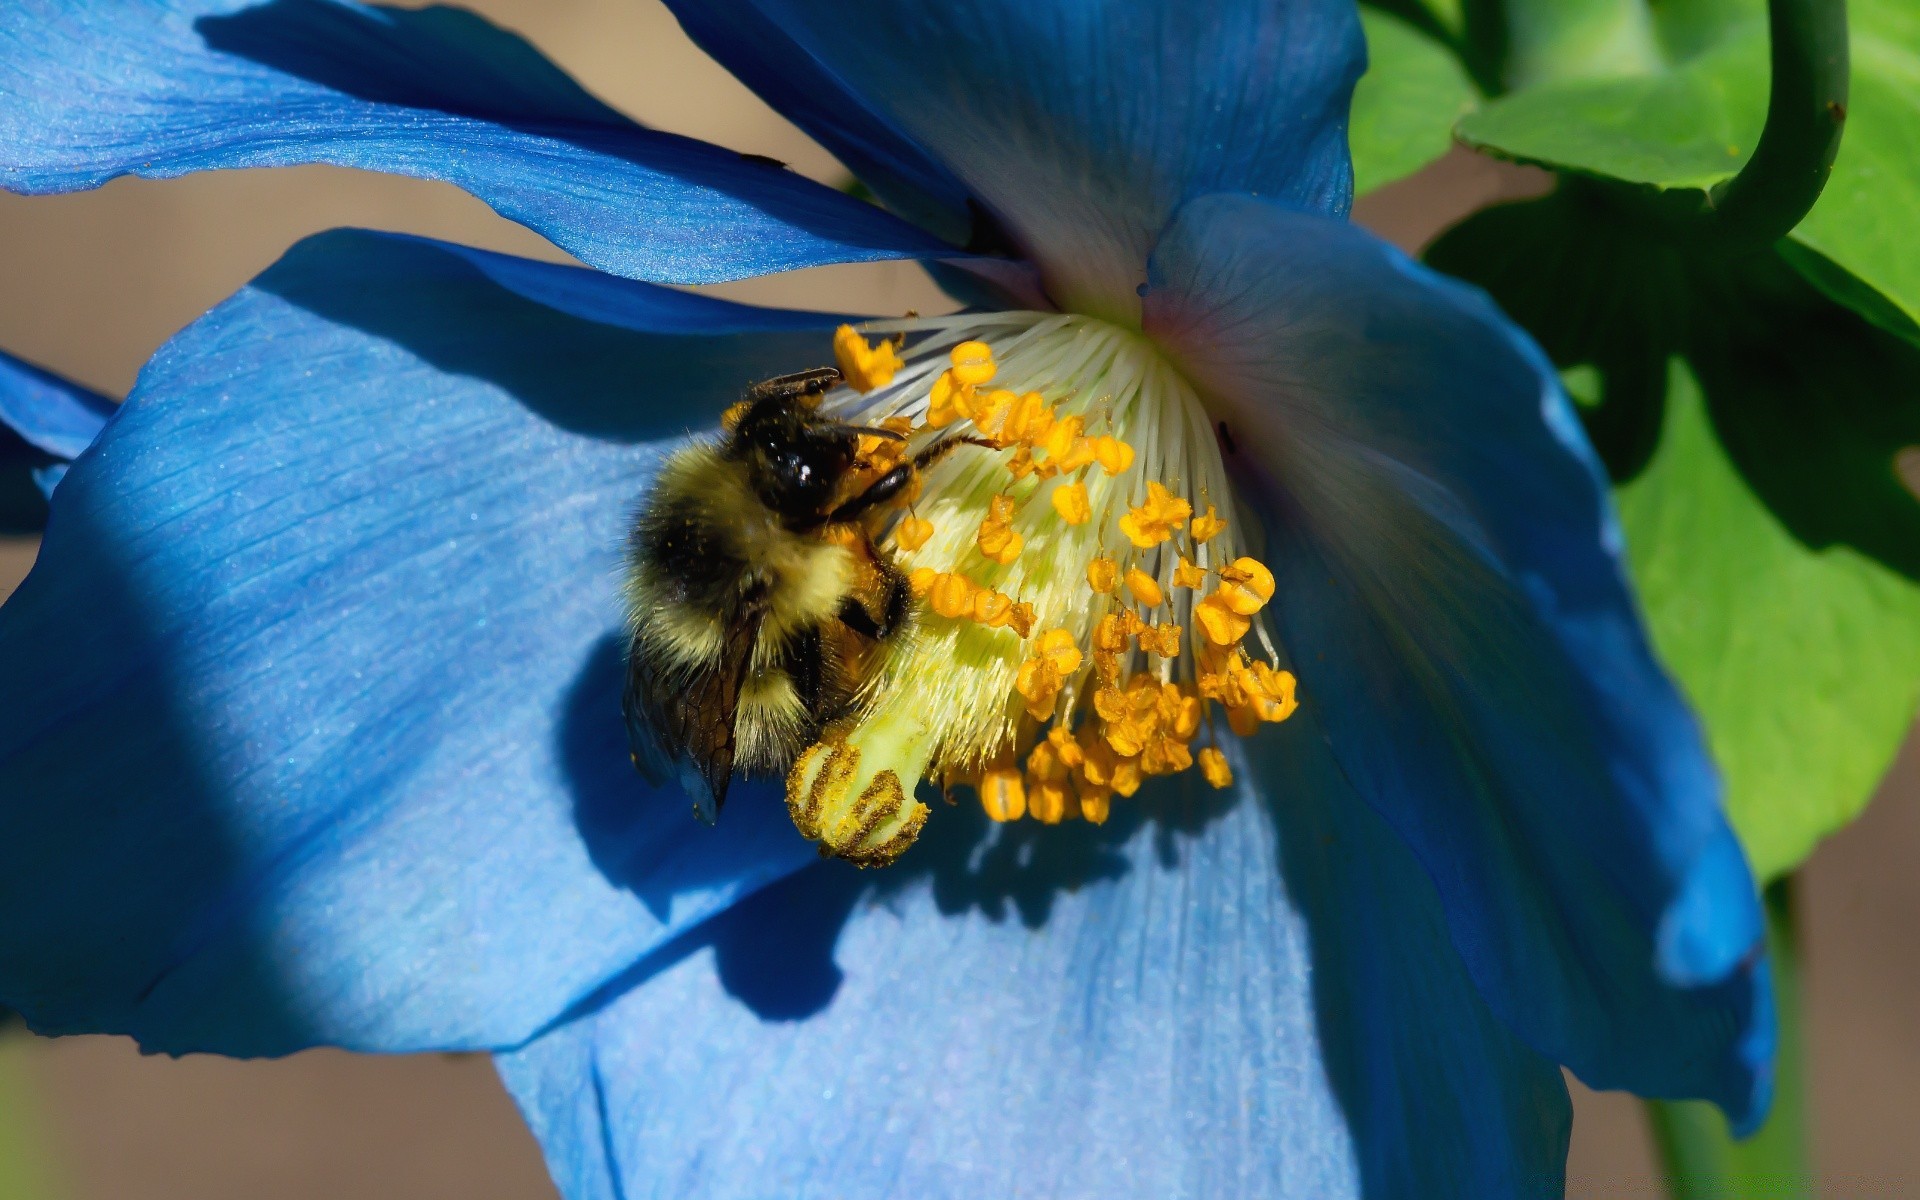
x: 91, y: 284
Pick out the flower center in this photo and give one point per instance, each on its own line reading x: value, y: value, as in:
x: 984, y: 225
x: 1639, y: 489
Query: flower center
x: 1086, y: 603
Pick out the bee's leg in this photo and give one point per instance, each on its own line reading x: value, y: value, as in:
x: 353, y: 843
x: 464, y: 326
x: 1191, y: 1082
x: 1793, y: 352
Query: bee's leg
x: 879, y: 491
x: 895, y: 600
x: 945, y: 446
x: 895, y: 481
x: 800, y: 383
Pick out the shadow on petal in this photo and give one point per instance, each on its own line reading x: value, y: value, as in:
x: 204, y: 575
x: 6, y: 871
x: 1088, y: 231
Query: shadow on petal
x: 107, y: 889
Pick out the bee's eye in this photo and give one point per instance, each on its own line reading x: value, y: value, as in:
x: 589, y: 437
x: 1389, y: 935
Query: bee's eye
x: 800, y: 478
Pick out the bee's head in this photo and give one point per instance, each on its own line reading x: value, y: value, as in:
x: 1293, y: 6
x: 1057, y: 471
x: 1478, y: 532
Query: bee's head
x: 796, y: 459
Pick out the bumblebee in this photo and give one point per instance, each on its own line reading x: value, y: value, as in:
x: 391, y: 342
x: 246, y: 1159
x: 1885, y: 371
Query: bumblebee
x: 758, y: 604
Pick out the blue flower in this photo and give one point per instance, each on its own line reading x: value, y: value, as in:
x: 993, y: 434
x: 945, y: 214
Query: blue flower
x: 308, y: 712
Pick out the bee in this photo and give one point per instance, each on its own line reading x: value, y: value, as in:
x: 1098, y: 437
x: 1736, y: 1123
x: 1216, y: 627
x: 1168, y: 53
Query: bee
x: 758, y: 604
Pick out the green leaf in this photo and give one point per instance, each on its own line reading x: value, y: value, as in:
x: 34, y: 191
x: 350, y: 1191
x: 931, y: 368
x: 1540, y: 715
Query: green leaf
x: 1405, y: 105
x: 1686, y: 125
x: 1590, y: 100
x: 1865, y: 221
x: 1758, y: 428
x: 1775, y: 551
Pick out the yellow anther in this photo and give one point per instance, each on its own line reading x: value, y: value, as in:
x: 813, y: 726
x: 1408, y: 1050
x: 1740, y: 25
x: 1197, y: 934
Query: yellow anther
x: 1163, y: 640
x: 997, y: 539
x: 1110, y: 633
x: 991, y: 608
x: 952, y: 595
x: 990, y: 415
x: 1213, y: 766
x: 1208, y: 526
x: 1070, y: 501
x: 1103, y: 575
x: 949, y: 401
x: 1096, y: 804
x: 864, y: 365
x: 1020, y: 619
x: 1047, y: 779
x: 1041, y: 677
x: 1079, y: 454
x: 1106, y: 665
x: 1028, y: 419
x: 1070, y: 752
x: 1271, y: 693
x: 1020, y: 464
x: 1003, y: 792
x: 1246, y: 586
x: 1145, y: 588
x: 1060, y: 438
x: 912, y: 533
x: 1113, y: 455
x: 1186, y: 575
x: 1218, y: 619
x: 1147, y: 525
x: 972, y: 363
x: 999, y: 542
x: 1165, y: 756
x: 920, y: 579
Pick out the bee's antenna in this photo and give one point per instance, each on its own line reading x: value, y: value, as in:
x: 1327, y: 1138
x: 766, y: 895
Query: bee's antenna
x: 798, y: 384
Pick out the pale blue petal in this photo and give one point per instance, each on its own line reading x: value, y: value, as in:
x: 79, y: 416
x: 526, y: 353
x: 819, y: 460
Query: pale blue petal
x: 1451, y: 596
x: 1140, y: 1009
x: 93, y: 89
x: 1079, y: 125
x: 309, y: 711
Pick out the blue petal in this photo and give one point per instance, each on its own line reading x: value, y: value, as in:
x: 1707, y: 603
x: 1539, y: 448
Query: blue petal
x: 1079, y: 124
x: 1139, y: 1009
x: 1451, y: 596
x: 309, y: 718
x: 51, y: 414
x: 807, y: 92
x: 44, y: 422
x: 93, y: 89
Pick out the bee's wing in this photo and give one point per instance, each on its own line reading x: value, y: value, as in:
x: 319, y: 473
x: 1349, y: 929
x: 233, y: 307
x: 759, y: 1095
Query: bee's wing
x: 640, y: 703
x: 684, y: 727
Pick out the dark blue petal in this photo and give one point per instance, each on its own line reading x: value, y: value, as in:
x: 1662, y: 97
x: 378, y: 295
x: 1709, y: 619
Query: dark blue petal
x: 1080, y: 125
x: 93, y: 89
x: 1452, y: 600
x: 1141, y: 1009
x: 44, y: 422
x: 807, y: 92
x: 309, y: 716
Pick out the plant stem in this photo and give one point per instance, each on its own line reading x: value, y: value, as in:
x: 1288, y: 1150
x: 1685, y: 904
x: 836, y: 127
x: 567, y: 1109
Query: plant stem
x: 1806, y: 111
x: 1700, y: 1157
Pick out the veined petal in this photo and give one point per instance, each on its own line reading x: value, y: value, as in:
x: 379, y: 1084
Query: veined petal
x: 44, y: 422
x: 1450, y: 594
x: 309, y: 711
x: 1080, y: 124
x: 1136, y: 1009
x: 93, y: 89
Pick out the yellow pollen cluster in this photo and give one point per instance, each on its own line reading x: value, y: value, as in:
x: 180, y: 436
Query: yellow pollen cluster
x: 1120, y: 686
x: 864, y: 365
